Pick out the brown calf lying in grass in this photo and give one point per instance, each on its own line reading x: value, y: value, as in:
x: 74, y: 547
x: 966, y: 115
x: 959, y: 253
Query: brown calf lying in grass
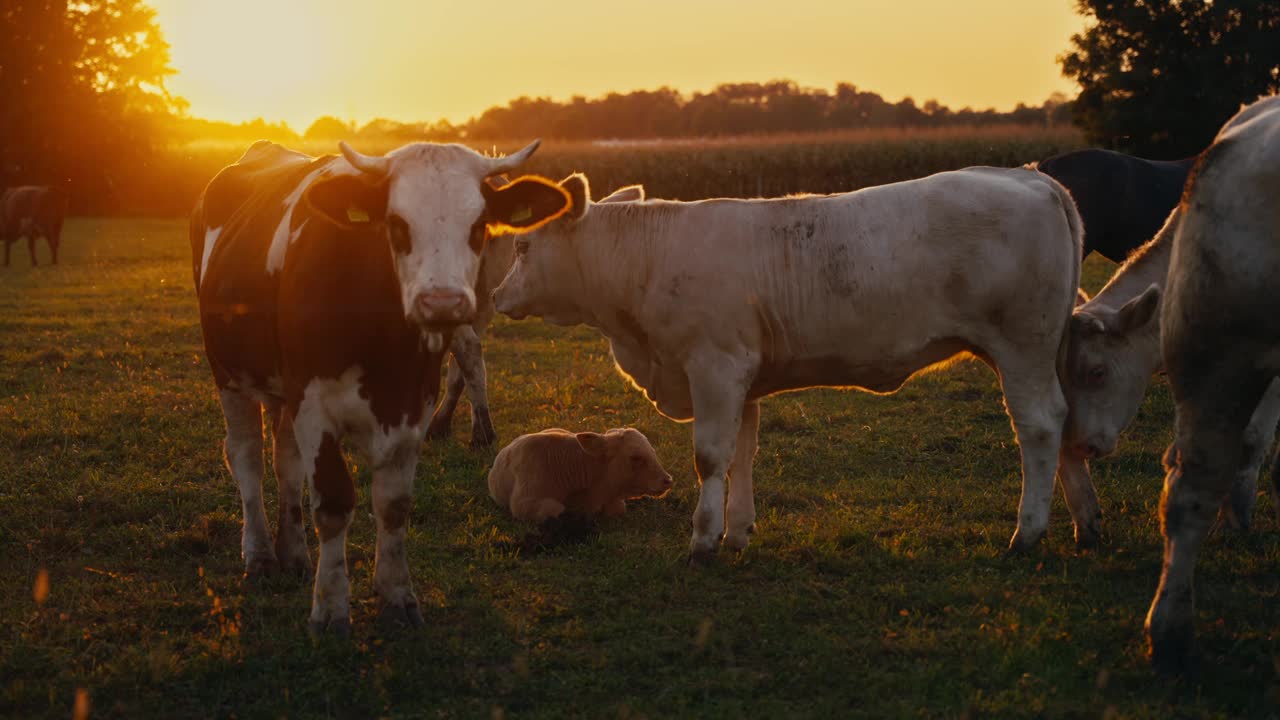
x: 543, y: 475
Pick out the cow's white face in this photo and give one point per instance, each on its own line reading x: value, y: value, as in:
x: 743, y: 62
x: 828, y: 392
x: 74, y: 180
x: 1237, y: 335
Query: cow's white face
x: 436, y: 210
x: 546, y: 276
x: 1108, y: 370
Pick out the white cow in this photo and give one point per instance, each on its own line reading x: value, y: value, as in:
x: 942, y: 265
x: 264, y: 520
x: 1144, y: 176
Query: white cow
x: 710, y: 306
x: 467, y: 368
x: 1220, y: 324
x: 1115, y: 349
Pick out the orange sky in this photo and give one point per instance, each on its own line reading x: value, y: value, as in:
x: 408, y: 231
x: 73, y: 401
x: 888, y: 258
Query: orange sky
x: 295, y: 60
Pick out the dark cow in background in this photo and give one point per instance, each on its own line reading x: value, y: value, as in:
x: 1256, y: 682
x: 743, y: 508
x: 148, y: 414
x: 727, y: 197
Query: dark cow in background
x: 329, y: 289
x: 32, y: 211
x: 1123, y: 200
x: 1220, y: 338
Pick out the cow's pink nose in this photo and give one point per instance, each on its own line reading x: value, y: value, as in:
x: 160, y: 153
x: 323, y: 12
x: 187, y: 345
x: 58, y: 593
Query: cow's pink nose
x: 443, y: 305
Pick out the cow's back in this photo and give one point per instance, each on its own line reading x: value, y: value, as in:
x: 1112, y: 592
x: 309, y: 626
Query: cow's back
x: 231, y: 231
x: 1123, y: 200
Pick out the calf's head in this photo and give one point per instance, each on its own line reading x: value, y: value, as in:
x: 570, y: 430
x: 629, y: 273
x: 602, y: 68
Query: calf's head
x: 1112, y: 354
x: 433, y: 207
x: 634, y: 469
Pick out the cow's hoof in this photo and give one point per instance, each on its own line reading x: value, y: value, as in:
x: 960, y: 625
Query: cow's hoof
x: 259, y: 568
x: 398, y: 617
x: 340, y: 628
x: 1087, y: 537
x: 1172, y: 653
x: 298, y: 568
x: 737, y: 542
x: 483, y: 440
x: 702, y: 558
x: 438, y: 429
x: 1023, y: 543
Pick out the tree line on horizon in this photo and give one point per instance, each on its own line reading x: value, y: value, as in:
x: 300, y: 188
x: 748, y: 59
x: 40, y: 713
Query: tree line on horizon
x: 730, y: 109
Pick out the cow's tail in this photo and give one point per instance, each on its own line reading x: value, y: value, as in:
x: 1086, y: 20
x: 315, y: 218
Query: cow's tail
x: 1076, y: 227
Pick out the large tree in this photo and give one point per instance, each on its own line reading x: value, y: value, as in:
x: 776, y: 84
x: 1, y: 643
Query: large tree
x: 1159, y: 77
x: 81, y: 91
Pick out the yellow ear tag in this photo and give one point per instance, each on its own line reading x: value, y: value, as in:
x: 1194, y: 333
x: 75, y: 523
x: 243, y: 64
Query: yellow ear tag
x: 356, y: 215
x: 522, y: 214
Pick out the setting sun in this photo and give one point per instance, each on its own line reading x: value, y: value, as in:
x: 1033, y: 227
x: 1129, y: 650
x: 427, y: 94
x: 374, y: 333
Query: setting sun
x: 293, y: 60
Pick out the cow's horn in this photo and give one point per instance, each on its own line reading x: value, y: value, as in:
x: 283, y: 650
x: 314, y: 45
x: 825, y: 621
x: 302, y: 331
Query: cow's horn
x: 372, y: 164
x: 514, y: 160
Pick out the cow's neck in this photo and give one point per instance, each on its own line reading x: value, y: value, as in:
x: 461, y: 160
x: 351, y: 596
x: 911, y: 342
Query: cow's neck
x: 614, y: 292
x: 1147, y: 266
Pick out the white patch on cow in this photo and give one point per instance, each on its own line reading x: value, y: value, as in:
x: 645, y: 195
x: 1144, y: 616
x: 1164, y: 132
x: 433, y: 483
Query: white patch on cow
x: 335, y: 406
x: 282, y: 238
x: 210, y: 239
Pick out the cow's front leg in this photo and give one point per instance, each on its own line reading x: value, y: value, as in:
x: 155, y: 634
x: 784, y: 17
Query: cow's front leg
x: 1082, y: 500
x: 741, y: 508
x: 1037, y: 409
x: 333, y: 501
x: 31, y: 248
x: 719, y: 395
x: 243, y: 453
x: 7, y: 244
x: 392, y: 501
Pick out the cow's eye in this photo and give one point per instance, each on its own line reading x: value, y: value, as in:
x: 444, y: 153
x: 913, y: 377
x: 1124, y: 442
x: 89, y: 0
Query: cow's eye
x: 398, y: 230
x: 1096, y: 375
x: 479, y: 233
x: 637, y: 461
x: 522, y: 247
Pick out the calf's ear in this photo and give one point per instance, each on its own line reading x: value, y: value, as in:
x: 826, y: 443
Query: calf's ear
x: 524, y: 204
x: 1138, y: 312
x: 593, y: 444
x: 349, y: 201
x: 580, y: 190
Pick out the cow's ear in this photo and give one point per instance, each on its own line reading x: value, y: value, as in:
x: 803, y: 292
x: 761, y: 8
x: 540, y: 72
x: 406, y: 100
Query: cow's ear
x: 349, y: 201
x: 630, y: 193
x: 580, y: 190
x: 1138, y: 312
x: 524, y: 204
x: 593, y: 444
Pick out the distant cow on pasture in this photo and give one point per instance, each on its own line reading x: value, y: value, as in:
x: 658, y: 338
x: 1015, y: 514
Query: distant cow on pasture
x: 1220, y: 338
x: 467, y: 368
x: 32, y: 211
x: 1123, y: 200
x: 710, y: 306
x: 329, y: 289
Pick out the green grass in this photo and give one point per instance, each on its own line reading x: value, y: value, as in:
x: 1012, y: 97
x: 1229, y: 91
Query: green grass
x: 876, y: 585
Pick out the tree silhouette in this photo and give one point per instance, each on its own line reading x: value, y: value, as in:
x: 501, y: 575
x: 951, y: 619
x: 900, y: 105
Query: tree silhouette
x: 83, y: 87
x: 1159, y: 77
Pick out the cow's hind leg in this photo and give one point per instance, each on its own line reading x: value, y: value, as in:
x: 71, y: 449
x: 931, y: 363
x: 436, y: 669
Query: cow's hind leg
x: 291, y: 539
x: 31, y: 248
x: 1259, y: 434
x: 718, y: 392
x: 471, y: 363
x: 243, y: 453
x: 442, y: 418
x: 1202, y: 465
x: 392, y: 501
x: 740, y: 511
x: 1037, y: 409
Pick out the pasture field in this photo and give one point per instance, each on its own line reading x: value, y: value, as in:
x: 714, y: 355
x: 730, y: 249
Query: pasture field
x: 877, y: 584
x: 751, y: 166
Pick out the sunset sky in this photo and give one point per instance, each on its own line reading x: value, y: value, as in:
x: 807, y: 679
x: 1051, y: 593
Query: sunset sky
x: 295, y: 60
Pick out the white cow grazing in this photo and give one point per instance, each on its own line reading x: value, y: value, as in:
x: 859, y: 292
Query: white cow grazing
x: 1220, y: 340
x: 710, y: 306
x: 467, y: 367
x: 1115, y: 349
